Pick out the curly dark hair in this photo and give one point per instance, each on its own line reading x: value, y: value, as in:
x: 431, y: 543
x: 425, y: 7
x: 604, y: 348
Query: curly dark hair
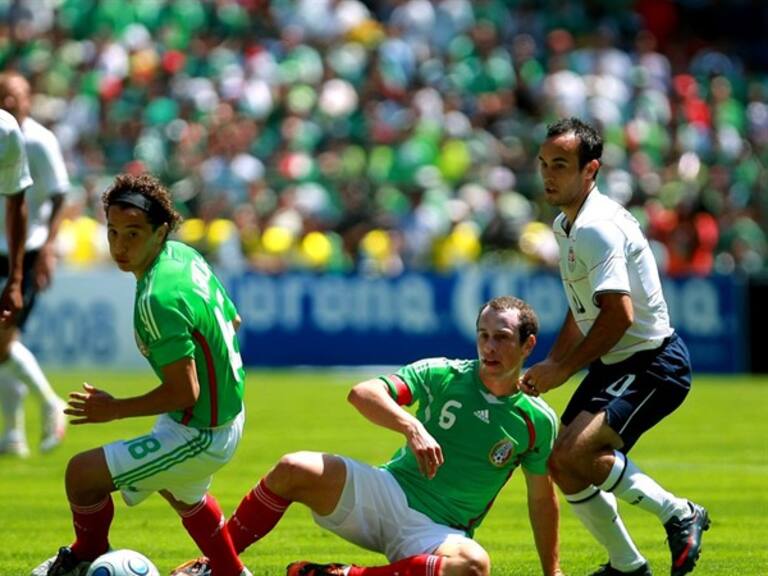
x: 529, y: 322
x: 160, y: 208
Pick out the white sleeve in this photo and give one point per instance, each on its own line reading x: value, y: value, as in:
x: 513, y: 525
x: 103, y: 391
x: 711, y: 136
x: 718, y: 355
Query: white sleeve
x: 602, y: 250
x: 14, y: 170
x: 47, y: 163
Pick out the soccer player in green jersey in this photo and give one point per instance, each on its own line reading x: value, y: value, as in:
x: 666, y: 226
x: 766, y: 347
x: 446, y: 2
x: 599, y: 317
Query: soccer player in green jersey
x: 185, y: 325
x: 472, y: 429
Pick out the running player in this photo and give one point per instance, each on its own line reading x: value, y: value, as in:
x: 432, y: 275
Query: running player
x: 19, y: 369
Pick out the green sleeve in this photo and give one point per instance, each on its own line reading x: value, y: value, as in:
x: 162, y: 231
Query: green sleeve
x: 411, y: 382
x: 535, y: 460
x: 175, y: 326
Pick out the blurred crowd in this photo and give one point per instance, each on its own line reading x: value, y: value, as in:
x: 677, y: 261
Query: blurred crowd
x: 381, y: 136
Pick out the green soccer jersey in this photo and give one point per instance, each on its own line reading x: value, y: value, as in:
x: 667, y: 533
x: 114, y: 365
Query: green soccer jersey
x: 182, y: 310
x: 483, y: 438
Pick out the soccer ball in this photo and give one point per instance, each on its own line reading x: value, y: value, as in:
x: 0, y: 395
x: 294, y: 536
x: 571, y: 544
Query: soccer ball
x: 122, y: 563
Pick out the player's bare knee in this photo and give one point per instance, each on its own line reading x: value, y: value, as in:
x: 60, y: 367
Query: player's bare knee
x: 76, y: 479
x: 475, y: 562
x: 291, y: 474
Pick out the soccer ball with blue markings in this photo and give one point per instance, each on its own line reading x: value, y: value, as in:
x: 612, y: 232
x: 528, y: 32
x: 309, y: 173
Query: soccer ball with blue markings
x: 122, y: 563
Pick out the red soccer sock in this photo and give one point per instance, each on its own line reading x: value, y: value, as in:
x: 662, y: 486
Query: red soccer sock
x: 256, y: 515
x: 92, y: 528
x: 422, y: 565
x: 205, y: 523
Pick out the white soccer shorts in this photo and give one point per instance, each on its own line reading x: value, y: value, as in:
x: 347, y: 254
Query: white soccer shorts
x: 173, y: 457
x: 373, y: 512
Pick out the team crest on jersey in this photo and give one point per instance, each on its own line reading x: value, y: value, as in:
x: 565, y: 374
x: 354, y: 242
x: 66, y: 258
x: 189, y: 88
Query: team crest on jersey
x: 501, y: 452
x: 140, y: 344
x: 571, y: 258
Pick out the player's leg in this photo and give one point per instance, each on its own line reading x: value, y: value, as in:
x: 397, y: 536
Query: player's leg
x: 456, y: 556
x: 204, y: 522
x: 179, y: 462
x: 463, y: 557
x: 89, y: 485
x: 373, y: 512
x: 312, y: 478
x: 660, y: 385
x: 421, y: 565
x: 18, y: 362
x: 597, y: 511
x: 14, y: 438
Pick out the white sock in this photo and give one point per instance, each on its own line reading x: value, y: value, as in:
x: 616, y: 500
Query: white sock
x: 23, y: 365
x: 630, y: 484
x: 599, y: 513
x: 12, y: 395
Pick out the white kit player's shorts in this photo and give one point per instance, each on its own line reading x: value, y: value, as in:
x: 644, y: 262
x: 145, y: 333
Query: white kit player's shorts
x: 373, y: 513
x: 175, y: 458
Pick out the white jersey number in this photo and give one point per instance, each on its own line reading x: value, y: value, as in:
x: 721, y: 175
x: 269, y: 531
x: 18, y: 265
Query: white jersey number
x: 448, y: 418
x: 201, y: 276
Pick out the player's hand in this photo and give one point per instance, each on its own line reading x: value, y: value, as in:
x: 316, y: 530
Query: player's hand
x: 541, y: 378
x: 44, y: 266
x: 429, y: 454
x: 93, y: 405
x: 11, y: 302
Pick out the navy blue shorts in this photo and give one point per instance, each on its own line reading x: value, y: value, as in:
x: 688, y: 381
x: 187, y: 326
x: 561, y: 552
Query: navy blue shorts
x: 638, y: 392
x: 28, y: 290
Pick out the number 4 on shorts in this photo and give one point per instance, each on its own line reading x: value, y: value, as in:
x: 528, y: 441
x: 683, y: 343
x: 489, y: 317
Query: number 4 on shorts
x: 620, y: 386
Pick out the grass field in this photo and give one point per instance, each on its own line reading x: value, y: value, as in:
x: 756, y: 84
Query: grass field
x: 713, y: 450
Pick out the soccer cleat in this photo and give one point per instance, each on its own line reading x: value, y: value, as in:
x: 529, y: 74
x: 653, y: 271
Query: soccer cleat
x: 14, y: 447
x: 65, y: 563
x: 309, y: 569
x: 608, y: 570
x: 684, y: 538
x: 200, y: 567
x: 197, y: 567
x: 54, y: 426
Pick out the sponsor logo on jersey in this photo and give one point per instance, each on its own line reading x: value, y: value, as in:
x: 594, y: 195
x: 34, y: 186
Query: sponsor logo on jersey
x: 140, y: 344
x: 483, y: 415
x: 501, y: 452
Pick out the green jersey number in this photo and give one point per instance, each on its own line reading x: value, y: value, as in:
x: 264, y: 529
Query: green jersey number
x: 143, y: 446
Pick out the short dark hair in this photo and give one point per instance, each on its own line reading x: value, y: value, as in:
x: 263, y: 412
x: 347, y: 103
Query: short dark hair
x: 529, y: 322
x: 160, y: 208
x: 590, y: 141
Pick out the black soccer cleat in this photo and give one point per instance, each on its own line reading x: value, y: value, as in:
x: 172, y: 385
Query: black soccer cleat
x: 608, y: 570
x: 684, y: 538
x: 65, y: 563
x: 309, y: 569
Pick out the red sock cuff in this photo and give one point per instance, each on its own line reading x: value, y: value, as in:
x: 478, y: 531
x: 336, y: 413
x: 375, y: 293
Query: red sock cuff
x: 269, y: 498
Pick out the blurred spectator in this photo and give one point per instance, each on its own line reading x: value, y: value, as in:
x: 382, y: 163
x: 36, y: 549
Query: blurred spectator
x: 344, y: 134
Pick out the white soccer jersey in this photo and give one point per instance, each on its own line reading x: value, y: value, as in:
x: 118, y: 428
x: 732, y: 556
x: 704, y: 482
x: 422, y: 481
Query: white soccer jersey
x: 14, y: 171
x: 605, y: 251
x: 49, y: 175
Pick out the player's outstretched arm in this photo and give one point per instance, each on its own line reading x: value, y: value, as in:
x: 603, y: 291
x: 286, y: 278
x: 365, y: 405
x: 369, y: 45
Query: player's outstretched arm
x: 544, y: 513
x: 179, y: 389
x: 372, y: 400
